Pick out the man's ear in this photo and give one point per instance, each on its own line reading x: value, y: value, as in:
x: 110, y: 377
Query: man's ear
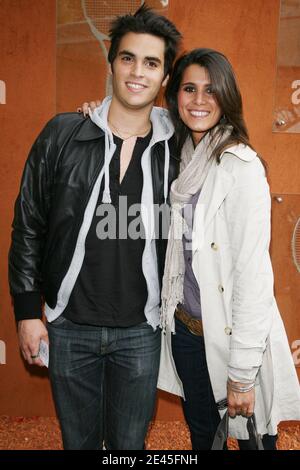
x: 110, y: 69
x: 164, y: 83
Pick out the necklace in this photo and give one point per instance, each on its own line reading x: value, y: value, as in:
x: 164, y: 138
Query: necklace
x: 121, y: 133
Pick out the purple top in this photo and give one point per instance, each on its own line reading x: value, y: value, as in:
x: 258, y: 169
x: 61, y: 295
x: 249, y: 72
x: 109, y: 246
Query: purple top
x: 191, y: 292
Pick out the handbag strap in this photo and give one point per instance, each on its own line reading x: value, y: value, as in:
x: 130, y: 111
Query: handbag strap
x: 253, y: 434
x: 222, y: 433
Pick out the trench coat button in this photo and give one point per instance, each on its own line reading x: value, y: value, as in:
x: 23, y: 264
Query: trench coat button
x: 214, y: 246
x: 221, y: 289
x: 228, y: 330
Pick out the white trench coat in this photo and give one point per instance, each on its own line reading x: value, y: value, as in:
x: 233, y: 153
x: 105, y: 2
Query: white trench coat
x: 242, y: 326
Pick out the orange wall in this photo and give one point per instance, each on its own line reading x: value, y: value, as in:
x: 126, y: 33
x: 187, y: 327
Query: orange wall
x: 27, y: 65
x: 245, y: 30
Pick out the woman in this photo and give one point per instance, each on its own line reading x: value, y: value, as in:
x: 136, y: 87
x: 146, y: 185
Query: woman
x: 224, y: 342
x: 229, y: 343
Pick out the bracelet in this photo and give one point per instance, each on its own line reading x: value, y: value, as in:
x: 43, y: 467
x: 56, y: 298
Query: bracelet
x: 240, y: 389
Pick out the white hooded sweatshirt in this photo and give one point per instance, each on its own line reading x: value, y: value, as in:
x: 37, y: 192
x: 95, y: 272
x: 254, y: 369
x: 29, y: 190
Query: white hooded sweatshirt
x: 162, y: 131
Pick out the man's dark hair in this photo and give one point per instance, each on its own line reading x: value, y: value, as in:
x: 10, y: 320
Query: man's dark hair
x: 145, y: 21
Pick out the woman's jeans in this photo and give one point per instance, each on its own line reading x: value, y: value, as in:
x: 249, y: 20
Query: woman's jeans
x: 200, y: 409
x: 103, y: 383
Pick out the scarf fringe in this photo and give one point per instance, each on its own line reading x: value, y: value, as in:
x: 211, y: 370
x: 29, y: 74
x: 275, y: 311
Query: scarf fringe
x: 170, y: 303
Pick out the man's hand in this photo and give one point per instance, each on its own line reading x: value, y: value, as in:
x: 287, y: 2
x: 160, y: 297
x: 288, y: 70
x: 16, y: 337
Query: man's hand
x: 240, y: 403
x: 30, y: 333
x: 85, y: 107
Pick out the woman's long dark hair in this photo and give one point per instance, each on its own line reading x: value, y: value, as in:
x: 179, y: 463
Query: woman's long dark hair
x: 226, y: 91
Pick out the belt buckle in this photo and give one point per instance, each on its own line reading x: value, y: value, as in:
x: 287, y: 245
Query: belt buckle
x: 190, y: 330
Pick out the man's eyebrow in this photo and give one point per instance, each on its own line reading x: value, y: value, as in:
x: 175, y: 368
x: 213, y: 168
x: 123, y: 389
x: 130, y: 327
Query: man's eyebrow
x: 151, y: 58
x: 124, y: 52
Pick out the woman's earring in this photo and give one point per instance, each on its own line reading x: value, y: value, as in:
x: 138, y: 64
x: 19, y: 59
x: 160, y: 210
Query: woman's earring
x: 223, y: 119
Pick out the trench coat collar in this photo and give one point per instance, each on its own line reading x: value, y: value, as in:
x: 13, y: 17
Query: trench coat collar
x: 243, y: 152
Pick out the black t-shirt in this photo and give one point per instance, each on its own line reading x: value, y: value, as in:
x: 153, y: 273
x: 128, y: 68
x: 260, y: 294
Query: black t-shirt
x: 111, y: 289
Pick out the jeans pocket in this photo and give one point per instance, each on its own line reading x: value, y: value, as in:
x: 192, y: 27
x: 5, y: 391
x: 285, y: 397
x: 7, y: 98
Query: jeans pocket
x: 58, y: 321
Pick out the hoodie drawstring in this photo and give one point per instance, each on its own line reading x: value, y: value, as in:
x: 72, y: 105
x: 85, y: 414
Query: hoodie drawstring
x: 166, y: 171
x: 110, y: 148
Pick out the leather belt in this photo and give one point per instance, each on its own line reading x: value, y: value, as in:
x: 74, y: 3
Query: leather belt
x: 194, y: 325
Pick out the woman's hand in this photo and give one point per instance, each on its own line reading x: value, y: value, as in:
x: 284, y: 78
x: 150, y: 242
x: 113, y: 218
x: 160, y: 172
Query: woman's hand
x: 240, y: 403
x: 85, y: 107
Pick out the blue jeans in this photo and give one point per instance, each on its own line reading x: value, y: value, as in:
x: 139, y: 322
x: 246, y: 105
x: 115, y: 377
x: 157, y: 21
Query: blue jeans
x: 200, y: 409
x: 103, y: 383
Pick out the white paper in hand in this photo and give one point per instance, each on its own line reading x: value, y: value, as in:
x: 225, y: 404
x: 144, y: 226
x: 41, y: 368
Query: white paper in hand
x: 44, y: 352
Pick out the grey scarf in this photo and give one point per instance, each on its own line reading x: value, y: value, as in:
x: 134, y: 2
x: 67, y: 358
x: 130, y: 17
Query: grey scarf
x: 194, y: 168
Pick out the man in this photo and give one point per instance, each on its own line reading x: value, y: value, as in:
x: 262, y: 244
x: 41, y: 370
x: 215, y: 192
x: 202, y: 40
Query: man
x: 101, y: 294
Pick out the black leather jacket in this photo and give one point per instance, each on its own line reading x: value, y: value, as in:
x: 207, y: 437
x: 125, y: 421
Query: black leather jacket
x: 57, y: 181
